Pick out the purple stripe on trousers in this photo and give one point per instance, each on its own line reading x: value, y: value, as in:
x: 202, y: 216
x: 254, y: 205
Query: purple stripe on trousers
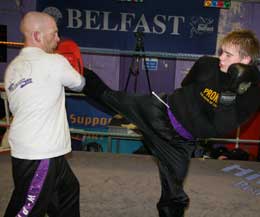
x: 35, y: 188
x: 177, y: 126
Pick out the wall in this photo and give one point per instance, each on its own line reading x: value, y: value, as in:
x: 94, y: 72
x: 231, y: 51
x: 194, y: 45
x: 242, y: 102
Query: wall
x: 10, y: 15
x: 114, y: 69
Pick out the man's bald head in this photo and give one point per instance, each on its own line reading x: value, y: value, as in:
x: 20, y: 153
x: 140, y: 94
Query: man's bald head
x: 37, y: 28
x: 34, y: 21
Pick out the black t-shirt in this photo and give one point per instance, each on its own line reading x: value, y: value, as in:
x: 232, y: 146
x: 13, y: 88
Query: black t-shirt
x: 196, y: 104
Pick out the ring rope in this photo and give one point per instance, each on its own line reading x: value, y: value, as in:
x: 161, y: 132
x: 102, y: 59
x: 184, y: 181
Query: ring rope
x: 182, y: 56
x: 121, y: 52
x: 12, y: 43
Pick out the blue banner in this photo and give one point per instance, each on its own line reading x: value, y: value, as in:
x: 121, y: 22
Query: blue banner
x: 83, y: 115
x: 170, y: 26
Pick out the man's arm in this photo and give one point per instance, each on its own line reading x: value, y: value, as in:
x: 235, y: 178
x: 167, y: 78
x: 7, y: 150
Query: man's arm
x: 69, y: 77
x: 201, y: 71
x: 240, y: 100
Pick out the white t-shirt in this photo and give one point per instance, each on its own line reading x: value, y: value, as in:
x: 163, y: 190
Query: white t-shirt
x: 34, y: 84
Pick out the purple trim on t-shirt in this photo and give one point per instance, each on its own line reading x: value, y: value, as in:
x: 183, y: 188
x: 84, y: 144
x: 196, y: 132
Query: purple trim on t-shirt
x: 177, y: 126
x: 35, y: 188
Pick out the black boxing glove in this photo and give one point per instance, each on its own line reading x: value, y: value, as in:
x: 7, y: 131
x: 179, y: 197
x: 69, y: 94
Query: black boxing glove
x: 242, y: 77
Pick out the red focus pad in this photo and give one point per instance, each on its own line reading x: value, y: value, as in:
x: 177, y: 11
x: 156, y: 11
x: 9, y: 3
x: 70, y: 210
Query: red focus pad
x: 71, y: 51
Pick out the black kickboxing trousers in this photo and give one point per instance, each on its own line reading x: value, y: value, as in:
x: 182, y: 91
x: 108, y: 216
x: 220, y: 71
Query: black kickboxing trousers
x: 43, y: 187
x: 172, y: 151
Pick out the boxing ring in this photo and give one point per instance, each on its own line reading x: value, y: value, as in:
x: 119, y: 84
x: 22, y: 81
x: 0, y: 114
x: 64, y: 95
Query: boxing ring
x: 126, y: 185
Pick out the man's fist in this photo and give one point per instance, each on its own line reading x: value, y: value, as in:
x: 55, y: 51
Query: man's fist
x: 242, y: 77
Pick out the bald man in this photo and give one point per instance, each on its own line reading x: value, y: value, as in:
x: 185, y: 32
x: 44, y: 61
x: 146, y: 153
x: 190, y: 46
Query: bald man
x: 39, y: 134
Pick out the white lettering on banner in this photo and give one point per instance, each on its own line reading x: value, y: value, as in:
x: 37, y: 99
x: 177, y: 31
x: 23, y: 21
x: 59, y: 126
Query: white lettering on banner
x: 125, y: 21
x: 74, y: 15
x: 101, y: 20
x: 176, y: 22
x: 142, y: 23
x: 92, y: 20
x: 200, y: 25
x: 129, y: 22
x: 106, y: 23
x: 245, y: 185
x: 159, y: 24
